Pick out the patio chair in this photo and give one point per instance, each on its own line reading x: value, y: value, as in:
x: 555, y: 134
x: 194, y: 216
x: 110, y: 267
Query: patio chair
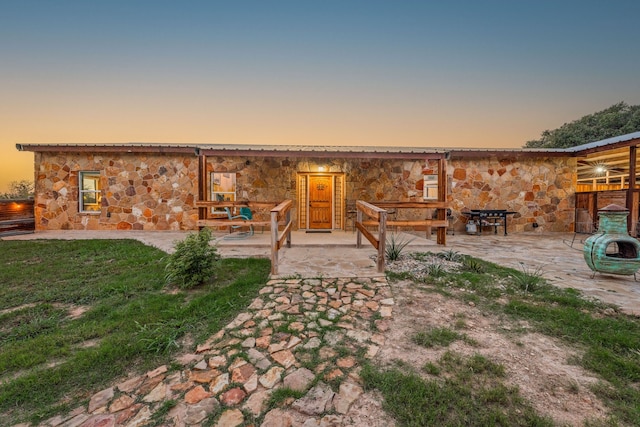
x: 235, y: 230
x: 583, y: 225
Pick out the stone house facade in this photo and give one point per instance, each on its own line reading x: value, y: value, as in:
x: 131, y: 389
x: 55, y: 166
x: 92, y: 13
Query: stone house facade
x: 155, y: 187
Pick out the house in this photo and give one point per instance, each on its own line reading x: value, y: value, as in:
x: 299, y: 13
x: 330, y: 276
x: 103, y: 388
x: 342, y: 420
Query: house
x: 158, y: 186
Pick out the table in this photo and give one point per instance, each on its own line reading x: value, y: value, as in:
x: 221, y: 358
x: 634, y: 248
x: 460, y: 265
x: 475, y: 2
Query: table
x: 489, y: 218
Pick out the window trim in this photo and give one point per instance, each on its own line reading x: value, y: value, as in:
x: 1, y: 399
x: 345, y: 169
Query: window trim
x: 83, y: 191
x: 215, y: 194
x: 430, y: 187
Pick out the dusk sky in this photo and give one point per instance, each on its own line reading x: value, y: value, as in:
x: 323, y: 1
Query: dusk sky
x: 484, y: 74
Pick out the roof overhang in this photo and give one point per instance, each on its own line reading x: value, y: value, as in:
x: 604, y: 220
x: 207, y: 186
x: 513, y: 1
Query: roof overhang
x: 370, y: 152
x: 107, y: 148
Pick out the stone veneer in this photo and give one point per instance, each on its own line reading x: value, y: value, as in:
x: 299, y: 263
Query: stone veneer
x: 541, y: 191
x: 158, y: 191
x: 140, y: 191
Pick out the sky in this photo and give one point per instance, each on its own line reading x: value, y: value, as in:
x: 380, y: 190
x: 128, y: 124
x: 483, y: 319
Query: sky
x: 483, y: 74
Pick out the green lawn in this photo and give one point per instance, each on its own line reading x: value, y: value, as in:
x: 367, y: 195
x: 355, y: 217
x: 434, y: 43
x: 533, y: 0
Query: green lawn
x: 51, y: 362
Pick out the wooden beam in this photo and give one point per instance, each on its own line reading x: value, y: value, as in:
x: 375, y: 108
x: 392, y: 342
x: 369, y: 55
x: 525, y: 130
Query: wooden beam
x: 412, y: 205
x: 285, y: 236
x: 369, y: 209
x: 202, y: 185
x: 441, y: 238
x: 228, y: 222
x: 633, y: 209
x: 368, y: 235
x: 410, y: 223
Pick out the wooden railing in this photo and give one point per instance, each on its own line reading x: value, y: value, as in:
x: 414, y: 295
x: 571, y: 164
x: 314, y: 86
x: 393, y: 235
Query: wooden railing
x: 380, y: 219
x: 379, y: 215
x: 280, y: 214
x: 16, y: 217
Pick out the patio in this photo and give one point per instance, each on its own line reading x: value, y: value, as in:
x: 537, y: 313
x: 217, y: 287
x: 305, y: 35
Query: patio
x: 335, y: 255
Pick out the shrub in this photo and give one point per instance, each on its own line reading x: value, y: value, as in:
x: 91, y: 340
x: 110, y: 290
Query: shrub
x: 528, y: 279
x: 193, y: 262
x: 393, y: 249
x: 472, y: 264
x: 435, y: 270
x: 450, y: 255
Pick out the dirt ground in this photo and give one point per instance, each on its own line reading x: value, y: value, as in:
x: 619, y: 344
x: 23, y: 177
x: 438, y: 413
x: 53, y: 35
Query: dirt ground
x: 539, y: 366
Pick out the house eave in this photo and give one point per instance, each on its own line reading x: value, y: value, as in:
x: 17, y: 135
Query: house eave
x: 107, y: 148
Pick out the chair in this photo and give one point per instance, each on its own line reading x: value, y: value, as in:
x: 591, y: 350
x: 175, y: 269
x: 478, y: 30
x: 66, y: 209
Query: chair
x: 451, y: 220
x: 245, y: 214
x: 583, y: 225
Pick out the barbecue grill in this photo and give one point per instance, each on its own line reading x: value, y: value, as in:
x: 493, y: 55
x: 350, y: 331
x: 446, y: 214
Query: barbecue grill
x: 487, y: 218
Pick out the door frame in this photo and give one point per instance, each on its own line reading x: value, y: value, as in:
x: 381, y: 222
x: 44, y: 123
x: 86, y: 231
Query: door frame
x: 338, y: 200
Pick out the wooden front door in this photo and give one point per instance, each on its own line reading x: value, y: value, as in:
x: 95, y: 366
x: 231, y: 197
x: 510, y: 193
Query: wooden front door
x: 320, y: 202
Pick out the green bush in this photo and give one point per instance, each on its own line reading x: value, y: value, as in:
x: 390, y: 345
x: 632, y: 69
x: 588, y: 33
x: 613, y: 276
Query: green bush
x: 193, y: 262
x: 394, y: 247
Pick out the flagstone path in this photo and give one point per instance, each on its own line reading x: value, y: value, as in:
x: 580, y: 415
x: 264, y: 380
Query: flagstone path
x: 302, y: 334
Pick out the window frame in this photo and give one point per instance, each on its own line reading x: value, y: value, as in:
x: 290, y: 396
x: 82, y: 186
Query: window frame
x: 227, y: 196
x: 430, y: 187
x: 82, y: 192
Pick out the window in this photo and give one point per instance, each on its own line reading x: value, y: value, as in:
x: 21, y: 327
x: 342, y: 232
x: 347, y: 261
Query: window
x: 223, y: 188
x: 430, y: 187
x: 90, y: 194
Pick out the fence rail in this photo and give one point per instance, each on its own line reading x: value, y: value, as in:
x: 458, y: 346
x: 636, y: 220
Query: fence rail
x: 379, y: 219
x: 17, y: 217
x: 279, y: 215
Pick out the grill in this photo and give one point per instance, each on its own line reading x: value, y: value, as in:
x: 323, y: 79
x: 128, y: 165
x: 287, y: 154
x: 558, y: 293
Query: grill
x: 479, y: 218
x: 612, y: 250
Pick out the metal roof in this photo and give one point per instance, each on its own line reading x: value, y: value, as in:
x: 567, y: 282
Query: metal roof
x: 326, y: 150
x: 604, y: 142
x: 138, y: 147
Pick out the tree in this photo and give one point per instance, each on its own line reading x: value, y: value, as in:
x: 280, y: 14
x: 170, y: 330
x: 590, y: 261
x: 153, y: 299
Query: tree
x: 619, y: 119
x: 19, y: 190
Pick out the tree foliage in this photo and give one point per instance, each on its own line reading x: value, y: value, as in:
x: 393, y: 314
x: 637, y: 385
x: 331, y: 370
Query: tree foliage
x: 19, y: 190
x: 619, y: 119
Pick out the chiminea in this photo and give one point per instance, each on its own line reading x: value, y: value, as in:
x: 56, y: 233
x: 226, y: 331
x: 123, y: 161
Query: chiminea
x: 611, y: 250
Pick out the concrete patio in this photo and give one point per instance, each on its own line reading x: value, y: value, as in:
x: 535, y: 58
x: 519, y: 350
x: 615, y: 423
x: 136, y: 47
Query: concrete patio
x: 334, y: 254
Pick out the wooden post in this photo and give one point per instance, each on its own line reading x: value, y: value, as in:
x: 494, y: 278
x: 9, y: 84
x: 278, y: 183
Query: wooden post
x: 288, y: 216
x: 633, y: 208
x: 274, y: 242
x: 382, y: 240
x: 202, y: 185
x: 358, y: 234
x: 442, y: 197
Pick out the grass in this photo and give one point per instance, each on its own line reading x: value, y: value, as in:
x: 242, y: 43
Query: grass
x: 435, y: 337
x: 132, y: 323
x: 608, y: 341
x: 51, y: 362
x: 466, y: 397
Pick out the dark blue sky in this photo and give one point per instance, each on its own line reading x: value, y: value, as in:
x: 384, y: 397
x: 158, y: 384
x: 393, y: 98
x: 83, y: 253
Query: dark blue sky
x: 408, y: 73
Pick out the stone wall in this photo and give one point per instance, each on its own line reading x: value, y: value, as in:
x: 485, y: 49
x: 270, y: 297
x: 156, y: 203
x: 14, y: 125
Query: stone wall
x: 158, y: 191
x: 275, y: 179
x: 139, y: 191
x: 540, y: 190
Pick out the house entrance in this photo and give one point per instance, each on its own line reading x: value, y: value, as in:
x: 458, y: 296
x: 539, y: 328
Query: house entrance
x: 321, y: 201
x: 320, y: 206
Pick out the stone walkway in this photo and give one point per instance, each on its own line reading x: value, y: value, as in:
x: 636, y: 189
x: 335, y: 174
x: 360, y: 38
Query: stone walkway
x: 301, y: 334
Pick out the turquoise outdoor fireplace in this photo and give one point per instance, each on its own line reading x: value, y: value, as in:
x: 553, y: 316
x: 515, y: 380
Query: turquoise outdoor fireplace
x: 612, y: 250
